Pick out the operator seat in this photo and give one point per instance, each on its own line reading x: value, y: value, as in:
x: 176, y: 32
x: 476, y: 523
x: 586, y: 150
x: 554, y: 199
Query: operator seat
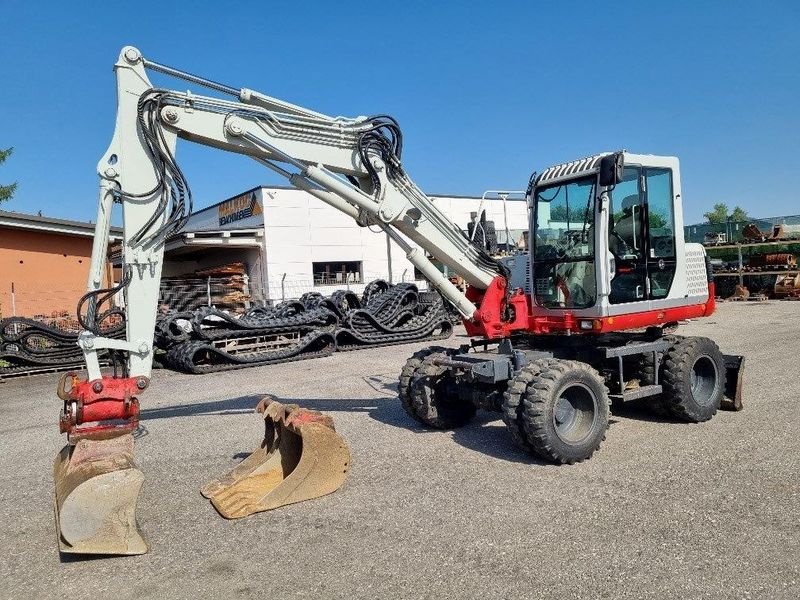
x: 624, y: 228
x: 621, y: 243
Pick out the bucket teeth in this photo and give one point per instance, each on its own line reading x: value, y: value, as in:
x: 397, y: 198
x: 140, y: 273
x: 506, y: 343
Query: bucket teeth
x: 97, y: 485
x: 301, y: 457
x: 734, y: 366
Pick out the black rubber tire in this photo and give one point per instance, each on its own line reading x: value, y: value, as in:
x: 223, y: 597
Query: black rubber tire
x: 693, y: 376
x: 434, y: 404
x: 407, y: 374
x: 544, y: 400
x: 513, y: 404
x: 646, y: 372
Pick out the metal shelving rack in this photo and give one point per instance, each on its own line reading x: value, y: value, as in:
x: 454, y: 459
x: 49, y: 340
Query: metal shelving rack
x: 740, y: 272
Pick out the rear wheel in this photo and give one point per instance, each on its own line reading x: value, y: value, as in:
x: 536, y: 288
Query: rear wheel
x: 646, y: 373
x: 693, y: 376
x: 513, y: 402
x: 407, y: 374
x: 565, y: 413
x: 435, y: 397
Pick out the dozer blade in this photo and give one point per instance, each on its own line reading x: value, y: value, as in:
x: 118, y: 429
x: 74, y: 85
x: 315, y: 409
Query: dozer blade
x: 734, y: 367
x: 97, y: 485
x: 302, y: 457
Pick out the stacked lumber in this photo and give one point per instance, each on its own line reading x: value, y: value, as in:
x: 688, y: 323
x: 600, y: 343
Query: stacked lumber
x: 191, y: 290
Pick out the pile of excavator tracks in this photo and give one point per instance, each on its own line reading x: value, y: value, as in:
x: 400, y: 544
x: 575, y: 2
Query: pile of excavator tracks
x: 30, y: 346
x: 208, y: 340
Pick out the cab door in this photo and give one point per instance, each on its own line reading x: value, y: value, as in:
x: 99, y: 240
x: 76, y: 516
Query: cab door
x: 627, y: 240
x: 657, y: 185
x: 641, y: 237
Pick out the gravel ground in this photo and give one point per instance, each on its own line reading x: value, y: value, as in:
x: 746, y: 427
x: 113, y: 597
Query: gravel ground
x: 663, y: 510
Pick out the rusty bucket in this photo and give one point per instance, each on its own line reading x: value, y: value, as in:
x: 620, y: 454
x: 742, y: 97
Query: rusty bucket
x: 301, y: 457
x: 97, y: 485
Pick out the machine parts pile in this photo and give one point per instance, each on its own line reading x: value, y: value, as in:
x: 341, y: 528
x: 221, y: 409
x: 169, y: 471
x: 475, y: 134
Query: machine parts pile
x: 778, y: 260
x: 208, y: 339
x: 787, y: 287
x: 781, y: 232
x: 31, y: 345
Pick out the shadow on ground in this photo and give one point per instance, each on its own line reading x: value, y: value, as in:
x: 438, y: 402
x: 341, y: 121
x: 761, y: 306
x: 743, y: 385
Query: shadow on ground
x: 486, y: 434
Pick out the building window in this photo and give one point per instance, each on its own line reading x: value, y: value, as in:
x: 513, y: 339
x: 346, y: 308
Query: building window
x: 337, y: 272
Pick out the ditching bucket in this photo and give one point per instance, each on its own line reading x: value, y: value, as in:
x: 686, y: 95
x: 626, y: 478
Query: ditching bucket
x: 302, y: 457
x: 97, y: 485
x: 734, y: 367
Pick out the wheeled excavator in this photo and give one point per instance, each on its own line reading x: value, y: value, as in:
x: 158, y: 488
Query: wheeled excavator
x: 582, y: 320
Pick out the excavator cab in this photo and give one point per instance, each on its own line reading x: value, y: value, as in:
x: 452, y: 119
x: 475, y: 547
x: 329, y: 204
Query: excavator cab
x: 608, y: 240
x: 591, y: 322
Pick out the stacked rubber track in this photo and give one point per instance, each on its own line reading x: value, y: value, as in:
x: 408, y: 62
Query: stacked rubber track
x: 27, y: 344
x: 208, y: 340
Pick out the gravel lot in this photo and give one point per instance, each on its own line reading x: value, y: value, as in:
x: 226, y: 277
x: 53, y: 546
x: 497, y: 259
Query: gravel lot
x: 663, y: 510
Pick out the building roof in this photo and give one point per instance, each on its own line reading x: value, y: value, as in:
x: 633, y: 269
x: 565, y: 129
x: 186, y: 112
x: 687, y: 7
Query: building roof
x: 17, y: 220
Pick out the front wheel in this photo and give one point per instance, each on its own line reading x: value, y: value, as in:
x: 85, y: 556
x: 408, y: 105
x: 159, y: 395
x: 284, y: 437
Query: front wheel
x: 566, y: 409
x: 693, y: 376
x: 435, y: 397
x: 407, y: 376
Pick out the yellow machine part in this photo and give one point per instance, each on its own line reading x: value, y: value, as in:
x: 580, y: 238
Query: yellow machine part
x: 302, y: 457
x: 787, y: 285
x: 97, y: 485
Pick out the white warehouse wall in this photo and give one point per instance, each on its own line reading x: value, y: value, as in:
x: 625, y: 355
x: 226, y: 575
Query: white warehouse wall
x: 300, y: 229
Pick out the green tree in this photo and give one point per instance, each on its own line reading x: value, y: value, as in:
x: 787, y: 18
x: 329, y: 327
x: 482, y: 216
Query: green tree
x: 657, y: 220
x: 739, y: 214
x: 6, y: 191
x: 574, y: 214
x: 718, y: 215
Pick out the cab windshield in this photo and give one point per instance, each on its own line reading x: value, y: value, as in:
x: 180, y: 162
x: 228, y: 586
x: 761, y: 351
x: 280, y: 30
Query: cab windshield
x: 563, y: 256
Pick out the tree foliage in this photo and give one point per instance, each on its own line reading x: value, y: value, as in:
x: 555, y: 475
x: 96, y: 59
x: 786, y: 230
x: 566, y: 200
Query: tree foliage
x: 6, y: 191
x: 720, y: 214
x: 574, y: 214
x: 739, y: 214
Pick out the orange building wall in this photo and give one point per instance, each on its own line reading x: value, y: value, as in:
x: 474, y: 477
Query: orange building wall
x: 49, y: 271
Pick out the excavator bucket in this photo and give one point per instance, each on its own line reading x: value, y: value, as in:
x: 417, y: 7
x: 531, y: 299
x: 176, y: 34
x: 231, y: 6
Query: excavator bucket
x: 734, y: 367
x: 97, y: 485
x: 302, y: 457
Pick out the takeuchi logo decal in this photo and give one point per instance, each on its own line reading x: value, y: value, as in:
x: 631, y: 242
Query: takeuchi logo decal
x: 239, y: 208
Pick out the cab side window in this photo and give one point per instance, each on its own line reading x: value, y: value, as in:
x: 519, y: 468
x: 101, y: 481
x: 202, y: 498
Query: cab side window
x: 661, y: 230
x: 626, y: 240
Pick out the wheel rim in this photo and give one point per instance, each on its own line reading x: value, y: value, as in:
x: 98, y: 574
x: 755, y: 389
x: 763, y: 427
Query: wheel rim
x: 574, y: 413
x: 445, y: 390
x: 703, y: 380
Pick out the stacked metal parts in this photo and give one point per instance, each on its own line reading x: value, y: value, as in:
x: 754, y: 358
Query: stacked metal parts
x: 31, y: 345
x: 208, y: 339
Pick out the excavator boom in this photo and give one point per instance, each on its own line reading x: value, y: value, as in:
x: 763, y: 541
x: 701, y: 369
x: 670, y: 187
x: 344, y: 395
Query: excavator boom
x: 352, y: 164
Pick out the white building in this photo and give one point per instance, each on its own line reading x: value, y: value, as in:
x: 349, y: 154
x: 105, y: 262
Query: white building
x: 292, y: 242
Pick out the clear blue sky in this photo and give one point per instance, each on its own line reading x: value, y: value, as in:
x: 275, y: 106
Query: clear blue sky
x: 485, y: 92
